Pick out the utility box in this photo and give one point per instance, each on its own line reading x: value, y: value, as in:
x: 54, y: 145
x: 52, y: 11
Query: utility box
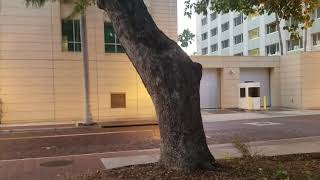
x: 249, y: 95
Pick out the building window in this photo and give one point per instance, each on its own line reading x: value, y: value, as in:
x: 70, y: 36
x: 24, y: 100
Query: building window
x: 271, y: 28
x: 242, y: 92
x: 204, y: 51
x: 214, y: 32
x: 71, y: 39
x: 118, y: 100
x: 238, y: 20
x: 292, y: 21
x: 239, y: 54
x: 225, y: 44
x: 318, y: 13
x: 254, y: 33
x: 204, y: 36
x: 213, y: 16
x: 254, y: 92
x: 295, y: 44
x: 204, y: 21
x: 238, y: 39
x: 254, y: 52
x: 214, y: 47
x: 111, y: 42
x: 225, y: 26
x: 316, y: 39
x: 272, y: 49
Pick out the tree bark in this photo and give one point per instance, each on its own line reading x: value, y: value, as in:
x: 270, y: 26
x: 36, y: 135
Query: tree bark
x: 172, y: 80
x: 280, y: 35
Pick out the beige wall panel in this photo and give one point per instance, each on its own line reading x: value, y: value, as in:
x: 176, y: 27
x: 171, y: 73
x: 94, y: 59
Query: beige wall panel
x: 24, y: 73
x: 25, y: 117
x: 27, y: 107
x: 26, y: 38
x: 13, y: 29
x: 25, y: 81
x: 310, y: 78
x: 40, y: 89
x: 16, y: 20
x: 30, y: 99
x: 20, y: 46
x: 32, y: 12
x: 25, y: 64
x: 290, y: 79
x: 40, y: 55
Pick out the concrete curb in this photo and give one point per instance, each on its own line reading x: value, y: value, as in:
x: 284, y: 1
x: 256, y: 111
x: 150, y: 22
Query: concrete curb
x: 53, y: 128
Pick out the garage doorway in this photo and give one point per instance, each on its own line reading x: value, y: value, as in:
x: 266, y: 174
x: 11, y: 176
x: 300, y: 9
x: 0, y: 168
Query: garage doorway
x: 210, y: 89
x: 261, y: 75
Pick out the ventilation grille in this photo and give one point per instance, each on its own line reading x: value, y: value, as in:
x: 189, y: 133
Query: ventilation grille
x: 118, y: 100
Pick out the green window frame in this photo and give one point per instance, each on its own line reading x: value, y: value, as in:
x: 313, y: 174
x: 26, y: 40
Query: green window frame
x: 71, y: 38
x: 111, y: 41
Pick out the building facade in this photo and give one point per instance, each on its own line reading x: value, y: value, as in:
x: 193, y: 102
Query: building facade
x: 41, y: 71
x: 233, y: 34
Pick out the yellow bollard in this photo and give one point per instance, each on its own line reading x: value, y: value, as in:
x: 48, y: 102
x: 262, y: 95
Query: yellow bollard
x: 249, y: 103
x: 265, y: 103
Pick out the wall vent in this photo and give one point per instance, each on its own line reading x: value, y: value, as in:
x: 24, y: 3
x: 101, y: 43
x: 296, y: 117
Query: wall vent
x: 118, y: 100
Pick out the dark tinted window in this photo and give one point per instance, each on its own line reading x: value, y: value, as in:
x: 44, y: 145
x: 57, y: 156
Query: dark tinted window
x: 254, y: 92
x: 242, y: 92
x: 111, y: 42
x: 71, y: 39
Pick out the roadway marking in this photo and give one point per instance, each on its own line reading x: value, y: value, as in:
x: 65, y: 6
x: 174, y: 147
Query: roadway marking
x: 72, y: 135
x: 263, y: 123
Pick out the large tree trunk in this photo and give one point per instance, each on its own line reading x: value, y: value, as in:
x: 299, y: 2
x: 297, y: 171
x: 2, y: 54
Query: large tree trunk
x: 172, y: 80
x: 280, y: 35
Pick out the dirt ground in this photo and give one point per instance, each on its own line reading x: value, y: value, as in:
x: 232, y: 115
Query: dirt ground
x: 290, y: 167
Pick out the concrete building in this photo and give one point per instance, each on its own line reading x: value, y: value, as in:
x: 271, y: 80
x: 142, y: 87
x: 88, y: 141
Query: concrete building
x: 40, y: 68
x: 287, y: 81
x: 41, y: 74
x: 233, y: 34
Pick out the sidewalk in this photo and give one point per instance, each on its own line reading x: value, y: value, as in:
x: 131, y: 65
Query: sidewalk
x: 208, y: 117
x: 222, y: 151
x: 68, y: 166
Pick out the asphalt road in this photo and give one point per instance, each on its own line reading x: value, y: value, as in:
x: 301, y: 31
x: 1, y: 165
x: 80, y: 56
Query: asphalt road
x: 73, y: 141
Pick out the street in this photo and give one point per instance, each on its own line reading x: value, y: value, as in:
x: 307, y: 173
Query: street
x: 70, y: 151
x: 96, y: 140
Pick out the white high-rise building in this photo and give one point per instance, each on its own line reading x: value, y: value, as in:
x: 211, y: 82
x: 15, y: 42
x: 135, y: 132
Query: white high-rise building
x: 233, y: 34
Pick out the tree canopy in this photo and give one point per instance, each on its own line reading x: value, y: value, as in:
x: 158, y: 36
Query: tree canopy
x: 186, y: 38
x: 300, y: 10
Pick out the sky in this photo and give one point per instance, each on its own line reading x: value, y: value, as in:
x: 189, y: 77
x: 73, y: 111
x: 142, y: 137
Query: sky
x: 186, y: 23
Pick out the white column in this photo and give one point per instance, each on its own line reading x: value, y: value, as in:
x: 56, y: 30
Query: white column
x: 231, y: 41
x: 262, y: 31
